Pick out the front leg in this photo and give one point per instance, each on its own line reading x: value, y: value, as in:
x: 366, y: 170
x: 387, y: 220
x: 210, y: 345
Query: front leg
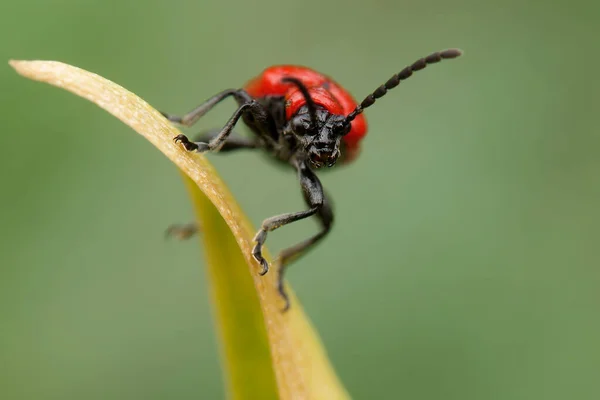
x: 219, y: 140
x: 313, y: 194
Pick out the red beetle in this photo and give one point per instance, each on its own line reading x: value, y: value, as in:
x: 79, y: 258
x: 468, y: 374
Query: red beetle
x: 304, y: 119
x: 323, y: 91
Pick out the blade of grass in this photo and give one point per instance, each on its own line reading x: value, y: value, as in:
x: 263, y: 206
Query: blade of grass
x: 244, y: 347
x: 297, y: 359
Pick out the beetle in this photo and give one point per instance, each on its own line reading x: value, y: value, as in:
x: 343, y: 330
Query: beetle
x: 301, y: 118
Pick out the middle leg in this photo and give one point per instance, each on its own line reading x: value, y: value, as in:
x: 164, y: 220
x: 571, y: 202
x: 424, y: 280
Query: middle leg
x: 220, y: 138
x: 248, y: 108
x: 233, y: 142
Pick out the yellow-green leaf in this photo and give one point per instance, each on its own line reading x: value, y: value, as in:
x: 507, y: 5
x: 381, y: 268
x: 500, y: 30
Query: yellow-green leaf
x: 267, y: 354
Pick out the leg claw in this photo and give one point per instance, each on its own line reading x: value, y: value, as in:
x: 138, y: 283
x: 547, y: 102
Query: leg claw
x: 189, y: 146
x: 181, y: 138
x: 285, y: 297
x: 264, y: 264
x: 200, y: 147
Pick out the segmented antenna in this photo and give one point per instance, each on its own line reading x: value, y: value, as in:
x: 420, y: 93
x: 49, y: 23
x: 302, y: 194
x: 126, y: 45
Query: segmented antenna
x: 400, y: 76
x: 312, y: 108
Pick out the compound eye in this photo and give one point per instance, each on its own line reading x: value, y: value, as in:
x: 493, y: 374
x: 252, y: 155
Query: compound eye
x: 343, y: 128
x: 302, y: 126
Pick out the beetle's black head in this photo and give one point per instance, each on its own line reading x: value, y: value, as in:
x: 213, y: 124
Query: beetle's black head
x: 319, y: 137
x: 317, y: 131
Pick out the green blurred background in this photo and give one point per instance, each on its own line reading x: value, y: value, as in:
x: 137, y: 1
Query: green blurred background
x: 464, y: 260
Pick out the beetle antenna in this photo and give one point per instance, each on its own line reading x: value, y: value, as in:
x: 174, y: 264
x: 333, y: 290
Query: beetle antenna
x: 400, y: 76
x: 312, y: 108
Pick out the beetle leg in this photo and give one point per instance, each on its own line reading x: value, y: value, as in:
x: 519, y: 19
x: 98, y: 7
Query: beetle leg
x: 291, y: 254
x: 269, y: 225
x: 182, y: 232
x: 233, y: 142
x: 220, y: 138
x: 315, y: 198
x: 193, y: 116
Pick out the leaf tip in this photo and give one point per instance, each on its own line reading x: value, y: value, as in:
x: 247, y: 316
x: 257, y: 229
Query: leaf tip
x: 14, y: 64
x: 23, y: 67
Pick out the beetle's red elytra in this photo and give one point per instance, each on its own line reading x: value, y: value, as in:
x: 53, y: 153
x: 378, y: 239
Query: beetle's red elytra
x: 303, y: 119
